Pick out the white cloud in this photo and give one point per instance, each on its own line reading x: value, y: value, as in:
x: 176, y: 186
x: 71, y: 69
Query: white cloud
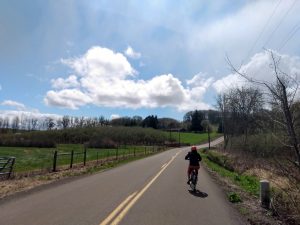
x: 106, y: 79
x: 101, y: 63
x: 259, y: 68
x: 67, y: 98
x: 131, y: 53
x: 70, y: 82
x: 14, y: 104
x: 114, y: 116
x: 239, y: 33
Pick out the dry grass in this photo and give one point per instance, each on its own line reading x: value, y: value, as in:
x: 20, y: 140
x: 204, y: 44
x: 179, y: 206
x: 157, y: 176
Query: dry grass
x: 284, y: 180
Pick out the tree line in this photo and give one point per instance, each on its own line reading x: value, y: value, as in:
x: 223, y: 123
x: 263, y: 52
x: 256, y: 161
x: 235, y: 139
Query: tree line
x: 192, y: 121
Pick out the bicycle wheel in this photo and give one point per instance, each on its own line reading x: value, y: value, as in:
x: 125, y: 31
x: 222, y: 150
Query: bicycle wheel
x: 193, y: 182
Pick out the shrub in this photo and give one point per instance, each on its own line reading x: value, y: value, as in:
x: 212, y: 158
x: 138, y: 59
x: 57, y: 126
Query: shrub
x: 101, y: 143
x: 234, y: 197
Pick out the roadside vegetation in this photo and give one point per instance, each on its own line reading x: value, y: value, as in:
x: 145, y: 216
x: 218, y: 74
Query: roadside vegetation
x: 191, y: 138
x: 261, y: 126
x: 223, y: 166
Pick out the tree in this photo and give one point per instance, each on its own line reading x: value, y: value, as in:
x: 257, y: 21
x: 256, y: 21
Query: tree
x: 281, y: 94
x: 65, y: 122
x: 206, y: 125
x: 197, y: 117
x: 150, y: 121
x: 168, y: 123
x: 34, y: 123
x: 49, y: 123
x: 15, y: 123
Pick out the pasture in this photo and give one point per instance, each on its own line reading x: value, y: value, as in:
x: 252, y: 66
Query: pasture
x: 33, y: 158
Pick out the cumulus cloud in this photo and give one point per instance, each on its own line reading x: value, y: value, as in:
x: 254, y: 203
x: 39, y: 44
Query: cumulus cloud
x: 105, y: 78
x: 14, y: 104
x: 67, y: 98
x: 101, y: 63
x: 260, y: 68
x: 131, y: 53
x: 70, y: 82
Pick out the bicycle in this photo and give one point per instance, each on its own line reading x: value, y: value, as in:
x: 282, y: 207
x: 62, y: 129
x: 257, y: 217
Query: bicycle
x: 194, y: 179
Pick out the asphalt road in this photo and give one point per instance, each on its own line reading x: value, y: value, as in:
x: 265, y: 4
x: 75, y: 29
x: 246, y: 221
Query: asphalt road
x: 148, y: 191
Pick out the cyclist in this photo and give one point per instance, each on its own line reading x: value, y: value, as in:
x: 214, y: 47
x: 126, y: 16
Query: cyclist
x: 194, y: 158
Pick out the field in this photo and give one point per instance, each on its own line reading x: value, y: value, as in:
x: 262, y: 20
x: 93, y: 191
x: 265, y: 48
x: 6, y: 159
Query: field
x: 191, y: 138
x: 29, y: 158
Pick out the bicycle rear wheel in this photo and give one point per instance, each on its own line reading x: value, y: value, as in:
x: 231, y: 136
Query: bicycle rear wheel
x: 193, y: 182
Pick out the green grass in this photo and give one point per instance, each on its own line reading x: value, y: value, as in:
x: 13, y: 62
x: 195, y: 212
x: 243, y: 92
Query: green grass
x: 28, y: 159
x: 234, y: 197
x: 191, y: 138
x: 246, y: 182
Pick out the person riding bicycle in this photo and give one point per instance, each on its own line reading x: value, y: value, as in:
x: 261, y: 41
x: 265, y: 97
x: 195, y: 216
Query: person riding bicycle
x: 194, y: 158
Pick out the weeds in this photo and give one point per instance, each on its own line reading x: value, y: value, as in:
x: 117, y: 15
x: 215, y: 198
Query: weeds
x: 234, y: 197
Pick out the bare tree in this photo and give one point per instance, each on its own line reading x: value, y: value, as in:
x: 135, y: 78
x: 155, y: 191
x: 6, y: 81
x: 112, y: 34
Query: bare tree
x: 282, y: 94
x: 240, y: 109
x: 33, y: 123
x: 65, y: 122
x: 15, y: 125
x: 49, y: 123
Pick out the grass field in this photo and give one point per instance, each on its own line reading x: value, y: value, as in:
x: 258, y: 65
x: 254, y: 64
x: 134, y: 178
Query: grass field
x: 191, y: 138
x: 28, y: 159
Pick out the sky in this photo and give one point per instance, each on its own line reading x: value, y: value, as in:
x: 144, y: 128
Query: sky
x: 126, y: 58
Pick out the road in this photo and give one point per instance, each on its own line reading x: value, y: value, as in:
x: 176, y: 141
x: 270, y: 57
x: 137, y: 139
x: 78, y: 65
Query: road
x: 147, y: 191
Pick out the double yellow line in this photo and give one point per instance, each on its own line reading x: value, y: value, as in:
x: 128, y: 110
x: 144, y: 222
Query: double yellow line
x: 119, y: 213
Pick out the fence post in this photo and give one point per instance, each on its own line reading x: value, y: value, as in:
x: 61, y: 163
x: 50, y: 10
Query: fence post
x: 265, y: 198
x: 134, y: 151
x: 54, y: 161
x: 97, y: 157
x: 84, y: 156
x: 145, y: 150
x: 11, y: 166
x: 72, y: 157
x: 117, y: 153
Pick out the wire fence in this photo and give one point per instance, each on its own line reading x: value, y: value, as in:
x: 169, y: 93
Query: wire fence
x: 99, y: 156
x: 41, y: 161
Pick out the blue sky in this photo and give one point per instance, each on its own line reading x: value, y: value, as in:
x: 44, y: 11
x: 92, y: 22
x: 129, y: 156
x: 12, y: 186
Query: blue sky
x: 126, y: 58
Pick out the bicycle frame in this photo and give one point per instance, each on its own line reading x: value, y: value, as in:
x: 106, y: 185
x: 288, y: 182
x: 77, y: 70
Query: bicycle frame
x: 194, y: 178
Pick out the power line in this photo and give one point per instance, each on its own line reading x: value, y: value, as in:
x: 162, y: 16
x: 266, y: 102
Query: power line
x: 280, y: 22
x: 263, y: 30
x: 293, y: 31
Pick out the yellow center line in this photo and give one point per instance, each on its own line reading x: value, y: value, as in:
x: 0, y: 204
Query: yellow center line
x: 115, y: 212
x: 122, y: 214
x: 163, y: 165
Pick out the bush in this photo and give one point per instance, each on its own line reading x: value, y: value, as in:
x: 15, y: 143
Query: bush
x: 101, y: 143
x: 221, y: 160
x: 234, y: 197
x: 19, y: 141
x: 96, y: 136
